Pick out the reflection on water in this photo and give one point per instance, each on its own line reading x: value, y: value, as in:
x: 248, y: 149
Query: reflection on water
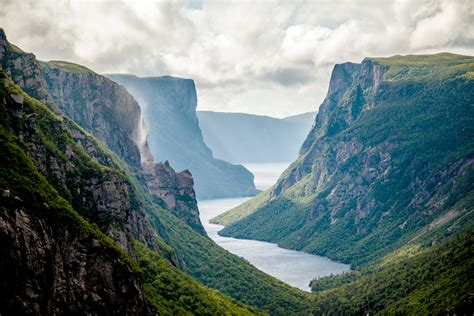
x: 293, y: 267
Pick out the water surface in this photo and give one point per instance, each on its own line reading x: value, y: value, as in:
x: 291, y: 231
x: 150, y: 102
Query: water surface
x: 293, y: 267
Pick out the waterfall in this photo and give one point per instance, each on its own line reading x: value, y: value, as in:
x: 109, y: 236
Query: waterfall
x: 140, y: 138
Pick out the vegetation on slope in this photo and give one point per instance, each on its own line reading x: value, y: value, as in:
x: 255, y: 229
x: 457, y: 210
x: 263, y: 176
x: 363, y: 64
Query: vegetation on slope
x: 171, y: 289
x: 414, y: 166
x: 19, y: 173
x: 432, y: 281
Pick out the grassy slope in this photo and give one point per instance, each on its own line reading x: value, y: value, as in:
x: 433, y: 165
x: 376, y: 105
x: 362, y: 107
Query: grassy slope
x: 19, y: 174
x: 66, y: 66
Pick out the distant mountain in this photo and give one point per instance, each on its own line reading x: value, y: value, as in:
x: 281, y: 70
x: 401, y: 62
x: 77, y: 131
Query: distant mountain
x: 239, y: 137
x: 169, y: 109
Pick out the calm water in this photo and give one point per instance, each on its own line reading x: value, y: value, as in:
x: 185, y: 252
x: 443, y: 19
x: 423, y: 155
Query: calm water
x: 293, y: 267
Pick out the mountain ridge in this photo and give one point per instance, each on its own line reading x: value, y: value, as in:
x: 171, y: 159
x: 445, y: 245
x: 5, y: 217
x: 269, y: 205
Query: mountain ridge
x: 373, y: 150
x: 259, y: 138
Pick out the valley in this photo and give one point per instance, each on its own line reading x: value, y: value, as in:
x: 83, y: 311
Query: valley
x: 267, y: 257
x: 120, y: 196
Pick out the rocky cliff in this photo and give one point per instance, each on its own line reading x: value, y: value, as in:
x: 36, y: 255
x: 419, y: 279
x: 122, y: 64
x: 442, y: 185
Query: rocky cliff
x: 98, y: 105
x: 390, y: 158
x: 111, y: 114
x: 169, y: 107
x: 25, y: 70
x: 53, y: 261
x: 175, y: 190
x: 101, y: 107
x: 51, y: 268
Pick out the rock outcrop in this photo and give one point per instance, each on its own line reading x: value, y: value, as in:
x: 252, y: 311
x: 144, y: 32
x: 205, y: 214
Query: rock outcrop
x: 175, y: 190
x: 24, y: 69
x: 169, y: 107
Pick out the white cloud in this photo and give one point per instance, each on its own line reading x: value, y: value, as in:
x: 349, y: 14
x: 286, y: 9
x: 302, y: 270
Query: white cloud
x: 267, y: 57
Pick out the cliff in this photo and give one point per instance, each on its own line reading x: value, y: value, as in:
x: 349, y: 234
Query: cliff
x: 389, y: 159
x: 111, y: 114
x: 169, y: 107
x: 53, y: 261
x: 100, y: 106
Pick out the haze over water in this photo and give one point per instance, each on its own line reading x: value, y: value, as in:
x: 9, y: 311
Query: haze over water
x: 293, y: 267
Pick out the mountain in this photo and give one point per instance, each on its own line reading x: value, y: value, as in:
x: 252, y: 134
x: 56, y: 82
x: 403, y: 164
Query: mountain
x: 107, y: 111
x: 83, y: 228
x: 389, y: 159
x: 56, y: 258
x: 239, y: 137
x: 169, y: 107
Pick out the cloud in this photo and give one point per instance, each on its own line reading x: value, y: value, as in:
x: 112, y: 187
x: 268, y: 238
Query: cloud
x: 267, y: 57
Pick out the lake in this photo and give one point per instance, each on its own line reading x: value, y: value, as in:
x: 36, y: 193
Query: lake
x: 267, y: 257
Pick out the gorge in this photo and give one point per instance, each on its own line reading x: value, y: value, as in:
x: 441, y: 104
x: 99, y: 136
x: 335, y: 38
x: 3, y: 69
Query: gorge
x: 110, y: 199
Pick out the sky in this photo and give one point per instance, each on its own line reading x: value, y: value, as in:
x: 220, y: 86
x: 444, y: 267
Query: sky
x: 264, y: 57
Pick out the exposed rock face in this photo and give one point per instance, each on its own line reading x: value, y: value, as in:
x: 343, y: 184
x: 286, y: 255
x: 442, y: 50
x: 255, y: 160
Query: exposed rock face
x: 111, y: 114
x: 176, y: 191
x: 103, y: 196
x: 391, y: 152
x: 51, y: 269
x: 98, y: 105
x: 169, y: 106
x: 52, y: 261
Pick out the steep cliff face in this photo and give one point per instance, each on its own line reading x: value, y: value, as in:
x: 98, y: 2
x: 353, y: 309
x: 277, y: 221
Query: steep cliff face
x: 50, y: 268
x: 24, y: 69
x: 389, y: 158
x: 52, y: 260
x: 169, y: 107
x: 111, y: 114
x: 98, y: 105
